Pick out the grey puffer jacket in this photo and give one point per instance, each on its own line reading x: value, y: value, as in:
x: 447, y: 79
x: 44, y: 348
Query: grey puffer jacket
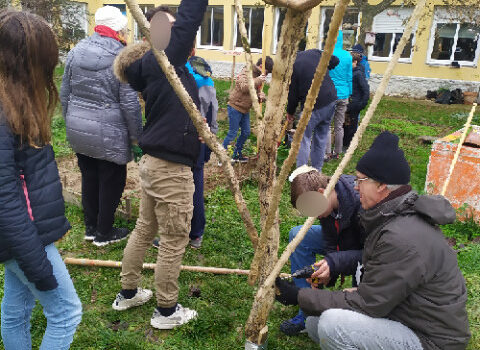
x: 411, y: 275
x: 103, y: 116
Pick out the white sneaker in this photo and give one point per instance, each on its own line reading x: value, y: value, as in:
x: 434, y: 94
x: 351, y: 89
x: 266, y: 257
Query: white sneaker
x: 181, y: 316
x: 121, y: 303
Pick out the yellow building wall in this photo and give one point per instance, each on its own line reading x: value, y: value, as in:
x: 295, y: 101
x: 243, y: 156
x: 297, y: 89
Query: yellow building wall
x: 418, y: 66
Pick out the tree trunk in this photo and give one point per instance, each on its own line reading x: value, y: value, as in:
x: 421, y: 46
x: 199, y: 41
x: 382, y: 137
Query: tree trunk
x: 292, y: 33
x: 366, y: 25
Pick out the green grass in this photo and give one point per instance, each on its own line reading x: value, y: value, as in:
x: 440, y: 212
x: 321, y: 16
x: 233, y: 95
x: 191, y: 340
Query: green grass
x: 225, y: 301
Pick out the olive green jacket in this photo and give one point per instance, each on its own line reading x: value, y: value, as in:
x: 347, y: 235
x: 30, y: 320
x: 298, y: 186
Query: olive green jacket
x: 410, y: 274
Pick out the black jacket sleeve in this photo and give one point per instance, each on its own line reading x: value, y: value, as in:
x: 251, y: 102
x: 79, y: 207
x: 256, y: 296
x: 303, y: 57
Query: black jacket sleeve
x: 365, y: 89
x: 334, y: 61
x: 293, y: 98
x: 189, y: 16
x: 343, y: 263
x: 17, y: 232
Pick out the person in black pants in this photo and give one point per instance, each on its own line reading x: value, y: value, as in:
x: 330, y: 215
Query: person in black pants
x: 103, y: 123
x: 358, y: 100
x: 103, y: 183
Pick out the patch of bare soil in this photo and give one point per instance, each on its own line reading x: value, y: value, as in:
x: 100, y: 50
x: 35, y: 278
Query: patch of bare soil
x: 213, y: 175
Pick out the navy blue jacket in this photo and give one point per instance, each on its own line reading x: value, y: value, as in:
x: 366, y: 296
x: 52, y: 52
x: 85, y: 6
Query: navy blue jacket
x: 361, y: 91
x: 169, y: 132
x: 343, y: 235
x: 21, y: 238
x: 303, y: 72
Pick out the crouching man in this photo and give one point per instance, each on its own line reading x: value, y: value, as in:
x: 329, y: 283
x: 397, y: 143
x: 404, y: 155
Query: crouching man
x: 412, y: 294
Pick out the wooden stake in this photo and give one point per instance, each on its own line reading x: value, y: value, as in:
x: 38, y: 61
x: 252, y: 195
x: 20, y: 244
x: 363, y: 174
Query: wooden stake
x: 457, y: 153
x: 146, y: 266
x: 248, y: 58
x: 199, y: 122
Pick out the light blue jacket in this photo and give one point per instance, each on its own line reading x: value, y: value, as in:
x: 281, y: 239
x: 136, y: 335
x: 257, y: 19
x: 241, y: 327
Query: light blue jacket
x: 103, y: 116
x: 342, y: 74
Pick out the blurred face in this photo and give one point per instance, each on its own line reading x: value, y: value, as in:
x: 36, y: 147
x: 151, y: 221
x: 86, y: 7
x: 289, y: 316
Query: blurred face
x: 332, y: 203
x: 371, y: 191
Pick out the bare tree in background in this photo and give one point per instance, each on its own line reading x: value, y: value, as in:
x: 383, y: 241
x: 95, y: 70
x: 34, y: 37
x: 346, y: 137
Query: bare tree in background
x: 64, y: 15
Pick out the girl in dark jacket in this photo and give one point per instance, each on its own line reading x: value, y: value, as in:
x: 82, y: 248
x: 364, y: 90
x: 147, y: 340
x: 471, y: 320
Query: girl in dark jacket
x: 32, y: 213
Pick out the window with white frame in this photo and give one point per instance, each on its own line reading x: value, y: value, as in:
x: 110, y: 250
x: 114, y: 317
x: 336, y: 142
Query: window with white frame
x: 254, y: 24
x: 137, y: 35
x: 350, y: 26
x: 453, y: 39
x: 388, y: 27
x: 210, y: 33
x: 277, y: 29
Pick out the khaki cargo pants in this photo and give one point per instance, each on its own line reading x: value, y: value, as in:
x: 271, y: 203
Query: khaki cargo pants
x: 166, y: 209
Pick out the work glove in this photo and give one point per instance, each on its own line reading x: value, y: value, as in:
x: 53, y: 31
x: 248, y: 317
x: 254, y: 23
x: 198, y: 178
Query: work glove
x: 137, y: 153
x: 288, y: 292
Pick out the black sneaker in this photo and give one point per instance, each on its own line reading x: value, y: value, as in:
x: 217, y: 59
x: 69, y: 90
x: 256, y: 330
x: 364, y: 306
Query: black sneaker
x: 90, y: 233
x: 115, y: 235
x: 156, y: 243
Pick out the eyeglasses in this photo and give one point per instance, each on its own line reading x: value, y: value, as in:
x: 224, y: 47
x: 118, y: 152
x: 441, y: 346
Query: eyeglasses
x: 357, y: 181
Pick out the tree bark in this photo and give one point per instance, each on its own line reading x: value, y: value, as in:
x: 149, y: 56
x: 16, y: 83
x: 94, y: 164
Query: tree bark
x: 265, y: 291
x: 199, y: 122
x: 292, y: 33
x: 267, y: 251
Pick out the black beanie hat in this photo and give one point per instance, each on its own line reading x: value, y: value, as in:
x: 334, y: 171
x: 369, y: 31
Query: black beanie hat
x: 357, y: 48
x: 385, y: 162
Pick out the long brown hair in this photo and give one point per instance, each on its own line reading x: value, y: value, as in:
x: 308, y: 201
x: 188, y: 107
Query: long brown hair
x: 28, y: 56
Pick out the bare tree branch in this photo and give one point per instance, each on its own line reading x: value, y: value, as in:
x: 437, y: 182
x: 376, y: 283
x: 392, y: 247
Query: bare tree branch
x: 265, y: 296
x: 248, y: 59
x: 202, y: 128
x: 297, y: 5
x: 382, y: 6
x: 420, y: 7
x: 302, y: 125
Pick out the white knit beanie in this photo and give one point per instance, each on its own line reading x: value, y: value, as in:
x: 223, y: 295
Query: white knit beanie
x: 111, y: 17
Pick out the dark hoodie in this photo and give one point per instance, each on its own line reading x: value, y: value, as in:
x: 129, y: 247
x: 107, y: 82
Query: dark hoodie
x: 342, y: 234
x: 169, y: 133
x: 411, y: 275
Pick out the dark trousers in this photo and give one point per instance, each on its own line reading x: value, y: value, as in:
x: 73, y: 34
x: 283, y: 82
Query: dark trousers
x: 350, y: 127
x: 198, y: 218
x: 103, y: 183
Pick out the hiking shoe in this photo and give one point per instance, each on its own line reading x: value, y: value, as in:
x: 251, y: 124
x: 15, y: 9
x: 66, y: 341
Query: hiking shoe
x: 90, y: 233
x: 196, y: 243
x: 293, y: 326
x: 219, y: 163
x: 181, y: 316
x: 156, y: 243
x: 115, y: 235
x: 121, y: 303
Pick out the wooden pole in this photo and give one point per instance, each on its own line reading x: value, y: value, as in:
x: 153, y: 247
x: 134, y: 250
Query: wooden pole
x: 146, y: 266
x: 457, y: 153
x: 248, y: 58
x: 297, y: 5
x: 266, y: 288
x: 199, y: 122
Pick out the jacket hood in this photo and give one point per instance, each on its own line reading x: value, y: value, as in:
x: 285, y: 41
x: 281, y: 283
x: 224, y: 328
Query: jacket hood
x: 436, y: 210
x: 97, y: 52
x: 348, y: 200
x: 339, y: 43
x: 126, y: 57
